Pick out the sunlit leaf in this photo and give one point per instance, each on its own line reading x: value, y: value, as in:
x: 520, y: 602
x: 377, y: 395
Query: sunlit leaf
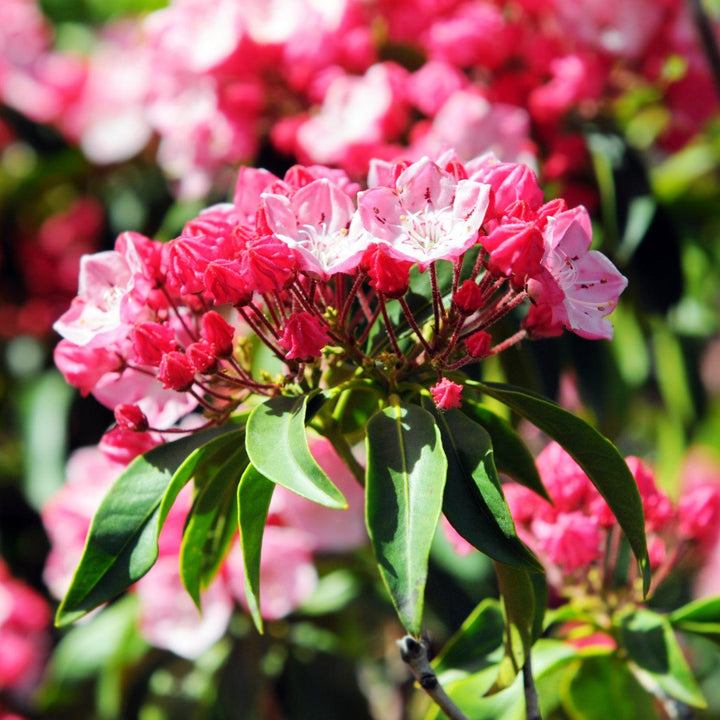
x: 253, y: 496
x: 122, y: 542
x: 278, y: 448
x: 595, y: 454
x: 406, y: 469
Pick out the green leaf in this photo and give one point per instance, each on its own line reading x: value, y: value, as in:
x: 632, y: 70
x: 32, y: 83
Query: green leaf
x: 253, y: 496
x: 406, y: 469
x: 211, y: 524
x: 652, y: 647
x: 473, y: 501
x: 278, y: 448
x: 512, y: 455
x: 122, y: 542
x: 595, y: 454
x: 602, y: 687
x: 521, y: 619
x: 201, y: 464
x: 700, y: 617
x: 474, y: 646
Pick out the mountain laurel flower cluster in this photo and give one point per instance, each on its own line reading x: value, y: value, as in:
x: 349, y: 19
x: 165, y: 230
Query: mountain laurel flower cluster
x: 327, y: 277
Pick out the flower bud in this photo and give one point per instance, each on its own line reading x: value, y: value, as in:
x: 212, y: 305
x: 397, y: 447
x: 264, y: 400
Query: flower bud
x: 202, y: 356
x: 151, y: 341
x: 219, y: 333
x: 468, y: 298
x: 478, y: 344
x: 176, y: 372
x: 131, y: 417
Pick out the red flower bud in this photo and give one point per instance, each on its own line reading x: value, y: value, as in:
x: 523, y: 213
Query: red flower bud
x: 151, y: 341
x: 215, y: 330
x: 390, y: 276
x: 131, y: 417
x: 478, y: 344
x: 202, y: 356
x: 176, y: 372
x: 446, y: 394
x: 468, y: 298
x: 304, y: 337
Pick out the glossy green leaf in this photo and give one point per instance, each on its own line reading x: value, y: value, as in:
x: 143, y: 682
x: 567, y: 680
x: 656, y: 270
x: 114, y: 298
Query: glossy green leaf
x: 473, y: 501
x: 512, y: 455
x: 201, y: 464
x: 253, y: 497
x: 278, y: 448
x: 211, y: 524
x: 122, y: 541
x: 595, y: 454
x: 406, y: 469
x: 651, y: 645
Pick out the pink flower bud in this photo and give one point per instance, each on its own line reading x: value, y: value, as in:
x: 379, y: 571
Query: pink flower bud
x: 225, y: 283
x: 151, y: 341
x: 131, y: 417
x: 446, y: 394
x: 468, y: 298
x: 202, y: 356
x: 121, y: 446
x: 390, y: 276
x: 215, y: 330
x: 176, y: 371
x: 304, y: 337
x: 478, y: 344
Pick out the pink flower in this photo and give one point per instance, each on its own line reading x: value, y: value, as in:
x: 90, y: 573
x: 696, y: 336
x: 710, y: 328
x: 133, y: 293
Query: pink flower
x: 572, y: 540
x: 24, y: 639
x: 589, y: 282
x: 104, y: 306
x: 315, y: 222
x: 84, y: 366
x: 446, y: 394
x: 428, y: 216
x: 304, y: 337
x: 151, y: 341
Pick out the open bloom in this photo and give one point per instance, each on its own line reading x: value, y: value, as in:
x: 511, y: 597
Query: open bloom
x: 582, y: 286
x: 429, y: 215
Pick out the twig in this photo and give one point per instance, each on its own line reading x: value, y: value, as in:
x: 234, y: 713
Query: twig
x: 532, y: 706
x: 414, y: 655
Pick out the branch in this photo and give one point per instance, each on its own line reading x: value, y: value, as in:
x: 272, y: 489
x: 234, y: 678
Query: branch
x: 414, y: 655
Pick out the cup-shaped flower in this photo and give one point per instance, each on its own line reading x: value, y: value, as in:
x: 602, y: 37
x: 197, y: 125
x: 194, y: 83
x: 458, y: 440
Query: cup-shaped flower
x: 315, y: 222
x: 429, y: 215
x: 581, y: 286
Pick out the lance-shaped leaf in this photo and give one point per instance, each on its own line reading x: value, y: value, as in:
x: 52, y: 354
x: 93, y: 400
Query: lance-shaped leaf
x: 406, y: 469
x: 473, y: 501
x: 654, y: 651
x: 595, y: 454
x: 278, y: 448
x: 211, y: 524
x: 511, y: 454
x: 122, y: 542
x: 700, y: 617
x: 524, y: 608
x: 253, y: 496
